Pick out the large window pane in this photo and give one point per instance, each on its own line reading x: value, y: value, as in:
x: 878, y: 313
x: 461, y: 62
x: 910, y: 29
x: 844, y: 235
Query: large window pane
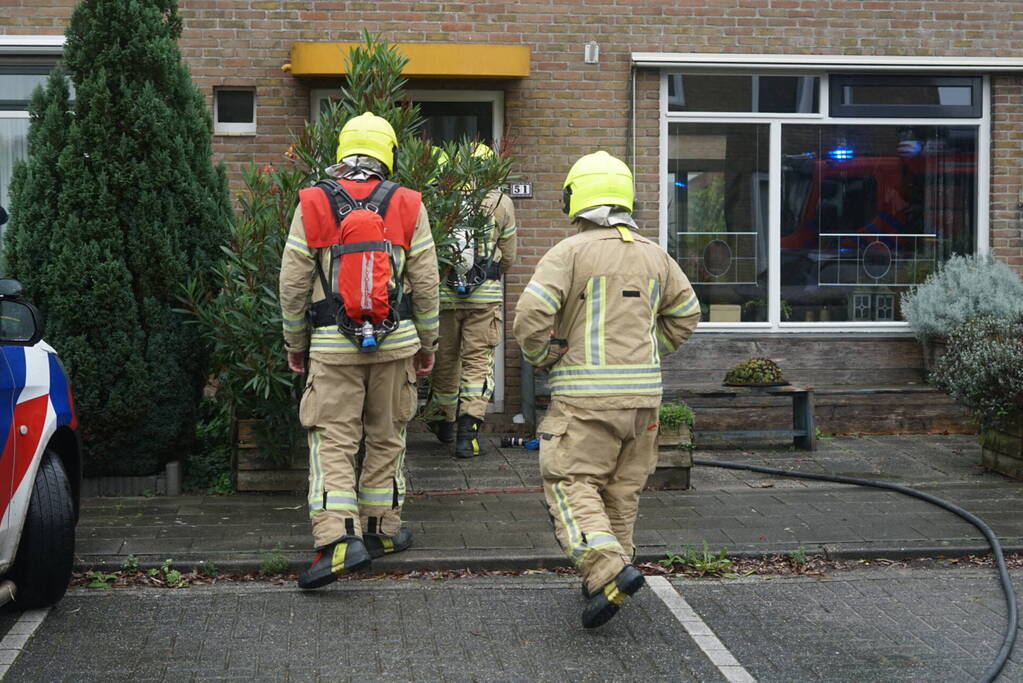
x: 754, y: 94
x: 17, y: 84
x: 718, y: 216
x: 869, y: 211
x: 13, y: 147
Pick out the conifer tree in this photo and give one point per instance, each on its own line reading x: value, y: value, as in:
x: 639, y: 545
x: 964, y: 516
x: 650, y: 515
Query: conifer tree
x: 141, y: 208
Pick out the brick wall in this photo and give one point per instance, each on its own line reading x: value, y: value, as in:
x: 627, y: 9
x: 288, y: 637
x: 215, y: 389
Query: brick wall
x: 567, y: 108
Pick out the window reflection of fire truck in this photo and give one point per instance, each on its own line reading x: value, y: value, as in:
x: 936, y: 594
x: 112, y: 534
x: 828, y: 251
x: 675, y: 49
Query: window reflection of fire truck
x: 879, y: 196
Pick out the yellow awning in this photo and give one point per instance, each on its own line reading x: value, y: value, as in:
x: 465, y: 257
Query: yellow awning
x: 426, y: 60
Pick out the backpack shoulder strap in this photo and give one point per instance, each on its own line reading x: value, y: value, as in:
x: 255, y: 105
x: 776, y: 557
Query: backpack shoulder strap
x: 380, y: 197
x: 341, y: 203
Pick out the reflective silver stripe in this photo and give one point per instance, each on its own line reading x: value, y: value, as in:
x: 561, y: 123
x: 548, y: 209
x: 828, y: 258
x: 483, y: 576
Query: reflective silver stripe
x: 373, y: 498
x: 365, y: 301
x: 421, y: 246
x: 663, y: 345
x: 316, y: 473
x: 540, y: 355
x: 399, y: 469
x: 471, y: 389
x: 576, y: 549
x: 609, y: 389
x: 544, y: 295
x: 488, y: 383
x: 609, y: 372
x: 341, y: 500
x: 686, y: 308
x: 508, y: 232
x: 294, y: 324
x: 298, y: 245
x: 595, y: 321
x: 445, y: 399
x: 602, y: 540
x: 427, y: 321
x: 655, y: 303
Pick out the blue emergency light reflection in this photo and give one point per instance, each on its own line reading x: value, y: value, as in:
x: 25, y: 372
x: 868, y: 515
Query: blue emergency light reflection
x: 840, y: 154
x: 679, y: 183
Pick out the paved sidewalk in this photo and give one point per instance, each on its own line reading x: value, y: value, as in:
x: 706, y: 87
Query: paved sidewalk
x: 489, y: 513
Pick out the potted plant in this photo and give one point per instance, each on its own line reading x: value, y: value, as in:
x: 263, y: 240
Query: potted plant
x: 675, y: 426
x: 755, y: 372
x: 963, y: 288
x: 982, y: 368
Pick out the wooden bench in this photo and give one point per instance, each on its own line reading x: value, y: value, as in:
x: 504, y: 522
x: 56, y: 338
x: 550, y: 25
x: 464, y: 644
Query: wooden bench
x: 804, y: 425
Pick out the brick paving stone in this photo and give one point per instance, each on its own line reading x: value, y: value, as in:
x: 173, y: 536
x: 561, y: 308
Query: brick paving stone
x: 724, y: 508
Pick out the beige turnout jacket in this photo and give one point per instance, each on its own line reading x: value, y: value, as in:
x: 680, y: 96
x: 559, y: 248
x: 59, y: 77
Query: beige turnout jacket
x: 619, y: 302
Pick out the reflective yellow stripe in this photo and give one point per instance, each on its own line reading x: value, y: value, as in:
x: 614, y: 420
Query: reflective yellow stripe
x: 624, y: 232
x: 337, y: 561
x: 614, y: 595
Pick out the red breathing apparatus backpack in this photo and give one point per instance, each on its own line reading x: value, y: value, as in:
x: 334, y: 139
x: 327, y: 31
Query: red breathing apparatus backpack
x: 364, y: 291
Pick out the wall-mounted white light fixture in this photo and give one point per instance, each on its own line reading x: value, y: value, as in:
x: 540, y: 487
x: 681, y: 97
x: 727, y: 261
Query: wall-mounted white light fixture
x: 591, y: 53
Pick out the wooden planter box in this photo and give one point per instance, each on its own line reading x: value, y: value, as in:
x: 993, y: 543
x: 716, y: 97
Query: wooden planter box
x: 1002, y: 449
x: 674, y: 460
x: 253, y: 473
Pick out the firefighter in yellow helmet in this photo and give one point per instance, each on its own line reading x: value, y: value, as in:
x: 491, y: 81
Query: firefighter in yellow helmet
x: 471, y: 323
x: 362, y: 246
x: 600, y: 311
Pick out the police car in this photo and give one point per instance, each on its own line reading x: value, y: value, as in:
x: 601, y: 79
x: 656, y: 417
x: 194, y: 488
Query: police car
x: 40, y: 465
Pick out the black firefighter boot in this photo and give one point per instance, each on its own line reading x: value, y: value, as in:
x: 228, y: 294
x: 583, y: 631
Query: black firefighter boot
x: 467, y: 443
x: 345, y: 555
x: 605, y: 602
x: 442, y: 429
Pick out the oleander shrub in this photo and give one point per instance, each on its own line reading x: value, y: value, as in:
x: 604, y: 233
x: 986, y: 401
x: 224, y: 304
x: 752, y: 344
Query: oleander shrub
x: 982, y: 368
x: 963, y: 288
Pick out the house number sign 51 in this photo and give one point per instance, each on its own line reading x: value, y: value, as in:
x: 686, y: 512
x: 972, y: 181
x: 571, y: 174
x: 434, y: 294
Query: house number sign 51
x: 521, y: 190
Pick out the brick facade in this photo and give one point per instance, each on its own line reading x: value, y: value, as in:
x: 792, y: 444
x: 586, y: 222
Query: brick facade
x: 566, y: 108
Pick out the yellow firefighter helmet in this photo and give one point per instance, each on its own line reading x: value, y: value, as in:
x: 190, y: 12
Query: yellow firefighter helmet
x: 595, y: 180
x: 370, y: 135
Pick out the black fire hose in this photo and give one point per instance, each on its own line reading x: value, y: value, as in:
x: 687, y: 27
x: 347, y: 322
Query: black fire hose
x: 1012, y: 617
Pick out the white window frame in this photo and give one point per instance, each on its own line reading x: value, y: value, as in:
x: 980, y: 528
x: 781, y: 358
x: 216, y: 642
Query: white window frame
x: 775, y: 121
x: 247, y: 128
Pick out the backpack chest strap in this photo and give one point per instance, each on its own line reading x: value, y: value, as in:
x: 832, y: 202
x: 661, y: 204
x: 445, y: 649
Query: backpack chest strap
x: 337, y: 250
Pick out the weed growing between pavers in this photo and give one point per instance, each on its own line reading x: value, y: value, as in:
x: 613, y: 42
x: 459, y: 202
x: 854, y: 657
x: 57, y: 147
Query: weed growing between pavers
x: 776, y: 565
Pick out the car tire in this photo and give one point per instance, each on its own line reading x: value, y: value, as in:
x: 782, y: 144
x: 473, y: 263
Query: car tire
x: 46, y: 552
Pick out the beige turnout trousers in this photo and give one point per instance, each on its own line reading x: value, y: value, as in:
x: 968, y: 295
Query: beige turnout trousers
x: 342, y: 403
x: 594, y: 463
x: 463, y: 377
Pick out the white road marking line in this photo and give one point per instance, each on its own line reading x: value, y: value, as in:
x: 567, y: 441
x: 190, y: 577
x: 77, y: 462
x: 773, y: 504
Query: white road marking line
x: 701, y: 634
x: 18, y: 635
